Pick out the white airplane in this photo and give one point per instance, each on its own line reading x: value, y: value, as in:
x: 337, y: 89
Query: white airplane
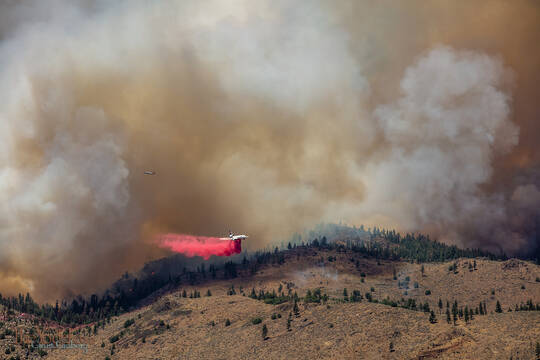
x: 234, y: 237
x: 149, y: 172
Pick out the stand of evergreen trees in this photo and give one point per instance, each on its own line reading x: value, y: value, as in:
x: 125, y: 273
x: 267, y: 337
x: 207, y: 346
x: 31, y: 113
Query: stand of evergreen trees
x: 391, y: 245
x: 168, y: 273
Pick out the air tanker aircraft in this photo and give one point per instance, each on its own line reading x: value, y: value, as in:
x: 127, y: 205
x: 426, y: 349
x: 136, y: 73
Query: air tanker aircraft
x: 234, y: 237
x: 149, y: 172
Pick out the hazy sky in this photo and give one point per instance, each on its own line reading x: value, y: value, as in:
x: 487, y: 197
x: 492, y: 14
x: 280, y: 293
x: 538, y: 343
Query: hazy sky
x: 264, y: 117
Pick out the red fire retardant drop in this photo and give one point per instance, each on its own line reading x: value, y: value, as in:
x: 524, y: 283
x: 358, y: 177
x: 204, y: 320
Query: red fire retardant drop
x: 204, y: 246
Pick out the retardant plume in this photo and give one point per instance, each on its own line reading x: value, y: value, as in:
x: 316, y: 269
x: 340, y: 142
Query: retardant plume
x: 203, y: 246
x: 265, y: 117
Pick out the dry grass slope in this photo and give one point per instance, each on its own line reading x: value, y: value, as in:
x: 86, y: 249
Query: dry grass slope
x: 176, y: 327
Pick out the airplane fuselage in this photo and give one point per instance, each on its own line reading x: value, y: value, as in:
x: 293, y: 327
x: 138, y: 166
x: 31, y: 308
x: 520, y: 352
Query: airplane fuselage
x: 234, y: 237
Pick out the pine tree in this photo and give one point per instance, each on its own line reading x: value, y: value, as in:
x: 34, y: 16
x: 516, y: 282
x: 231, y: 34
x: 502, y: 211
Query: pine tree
x: 296, y: 309
x: 289, y: 319
x: 432, y: 318
x: 466, y: 314
x: 440, y: 305
x: 264, y: 332
x: 498, y: 307
x: 448, y: 320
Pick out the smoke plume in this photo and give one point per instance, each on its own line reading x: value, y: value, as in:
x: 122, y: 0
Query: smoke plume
x: 265, y: 117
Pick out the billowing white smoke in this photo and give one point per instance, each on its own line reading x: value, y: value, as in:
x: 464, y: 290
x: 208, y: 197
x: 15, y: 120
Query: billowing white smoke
x: 257, y: 108
x: 440, y: 141
x: 63, y: 182
x: 283, y: 52
x: 65, y: 160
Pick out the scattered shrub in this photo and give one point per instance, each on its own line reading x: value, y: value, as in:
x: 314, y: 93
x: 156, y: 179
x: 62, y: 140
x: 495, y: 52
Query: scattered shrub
x: 128, y: 323
x: 114, y: 339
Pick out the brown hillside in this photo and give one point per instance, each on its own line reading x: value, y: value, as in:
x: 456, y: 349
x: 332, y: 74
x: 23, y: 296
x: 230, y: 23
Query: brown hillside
x: 176, y: 327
